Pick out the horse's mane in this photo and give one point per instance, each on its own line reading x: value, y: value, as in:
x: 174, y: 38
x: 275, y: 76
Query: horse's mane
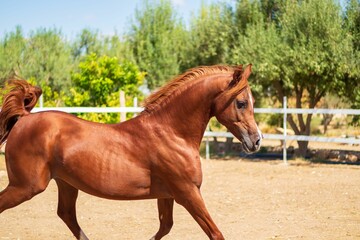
x: 158, y: 97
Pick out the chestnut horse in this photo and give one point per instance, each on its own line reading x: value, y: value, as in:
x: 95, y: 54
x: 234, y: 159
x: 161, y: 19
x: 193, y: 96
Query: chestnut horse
x: 154, y: 155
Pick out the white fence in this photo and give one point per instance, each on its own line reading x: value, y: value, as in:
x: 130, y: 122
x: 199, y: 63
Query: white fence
x: 209, y: 134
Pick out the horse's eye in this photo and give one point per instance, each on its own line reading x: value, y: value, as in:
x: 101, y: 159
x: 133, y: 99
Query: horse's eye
x: 241, y: 104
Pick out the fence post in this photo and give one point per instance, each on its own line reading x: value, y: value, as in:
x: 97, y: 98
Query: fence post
x: 285, y: 130
x: 207, y: 145
x: 135, y: 104
x: 41, y: 101
x: 207, y: 149
x: 122, y: 104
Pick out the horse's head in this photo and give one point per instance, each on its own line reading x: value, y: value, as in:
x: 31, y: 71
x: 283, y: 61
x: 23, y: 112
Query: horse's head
x: 234, y: 108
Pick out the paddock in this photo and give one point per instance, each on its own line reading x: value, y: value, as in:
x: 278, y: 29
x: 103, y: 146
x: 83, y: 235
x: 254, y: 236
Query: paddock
x: 247, y: 199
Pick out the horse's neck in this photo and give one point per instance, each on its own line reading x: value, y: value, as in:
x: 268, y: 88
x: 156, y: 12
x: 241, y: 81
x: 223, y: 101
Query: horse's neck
x: 189, y: 112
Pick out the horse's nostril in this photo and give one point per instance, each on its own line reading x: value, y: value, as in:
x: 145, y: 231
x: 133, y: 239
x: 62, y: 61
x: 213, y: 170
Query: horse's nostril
x: 258, y: 142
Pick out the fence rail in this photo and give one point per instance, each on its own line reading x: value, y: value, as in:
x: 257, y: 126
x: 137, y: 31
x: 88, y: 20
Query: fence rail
x: 349, y: 140
x: 308, y: 111
x: 284, y: 137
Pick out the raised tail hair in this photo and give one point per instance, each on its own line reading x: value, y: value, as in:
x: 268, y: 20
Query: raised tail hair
x: 19, y: 99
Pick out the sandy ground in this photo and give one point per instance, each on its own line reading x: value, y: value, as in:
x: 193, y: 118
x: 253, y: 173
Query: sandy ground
x: 247, y: 200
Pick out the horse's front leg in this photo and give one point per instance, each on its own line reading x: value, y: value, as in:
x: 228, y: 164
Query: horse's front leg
x: 190, y: 197
x: 165, y: 208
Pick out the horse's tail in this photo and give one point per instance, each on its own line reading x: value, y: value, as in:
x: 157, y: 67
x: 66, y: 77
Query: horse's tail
x: 19, y: 99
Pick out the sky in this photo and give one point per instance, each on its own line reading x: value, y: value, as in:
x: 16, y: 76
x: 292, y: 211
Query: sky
x: 71, y: 16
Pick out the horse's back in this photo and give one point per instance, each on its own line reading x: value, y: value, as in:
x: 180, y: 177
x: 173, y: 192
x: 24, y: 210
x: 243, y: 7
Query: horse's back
x: 40, y: 131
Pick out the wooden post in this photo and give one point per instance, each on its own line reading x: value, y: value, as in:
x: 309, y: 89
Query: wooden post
x: 285, y: 129
x: 135, y: 104
x: 122, y: 104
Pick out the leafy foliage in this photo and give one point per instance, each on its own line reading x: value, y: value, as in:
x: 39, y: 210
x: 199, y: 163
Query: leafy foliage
x: 87, y: 42
x: 155, y: 39
x: 47, y: 60
x: 11, y: 51
x: 98, y: 82
x: 43, y: 58
x: 303, y: 52
x: 350, y: 87
x: 209, y: 37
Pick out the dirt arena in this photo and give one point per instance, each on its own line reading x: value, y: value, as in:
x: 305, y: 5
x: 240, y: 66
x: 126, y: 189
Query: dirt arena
x: 247, y: 200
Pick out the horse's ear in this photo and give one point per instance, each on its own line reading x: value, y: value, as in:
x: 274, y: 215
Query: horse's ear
x: 238, y: 83
x: 246, y: 73
x: 237, y: 73
x: 241, y: 81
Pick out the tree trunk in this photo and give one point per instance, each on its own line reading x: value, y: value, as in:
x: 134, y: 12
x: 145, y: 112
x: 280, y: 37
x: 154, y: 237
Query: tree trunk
x: 228, y: 145
x: 327, y: 120
x: 216, y: 145
x: 303, y: 147
x: 303, y: 124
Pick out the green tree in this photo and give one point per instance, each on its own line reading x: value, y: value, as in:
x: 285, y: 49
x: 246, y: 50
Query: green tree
x: 350, y: 89
x: 318, y: 47
x: 47, y: 62
x: 43, y: 58
x: 303, y: 55
x: 209, y: 36
x: 352, y: 21
x: 272, y: 10
x: 91, y: 41
x: 12, y: 47
x: 246, y: 13
x: 88, y: 41
x: 155, y: 38
x: 98, y: 81
x: 114, y: 46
